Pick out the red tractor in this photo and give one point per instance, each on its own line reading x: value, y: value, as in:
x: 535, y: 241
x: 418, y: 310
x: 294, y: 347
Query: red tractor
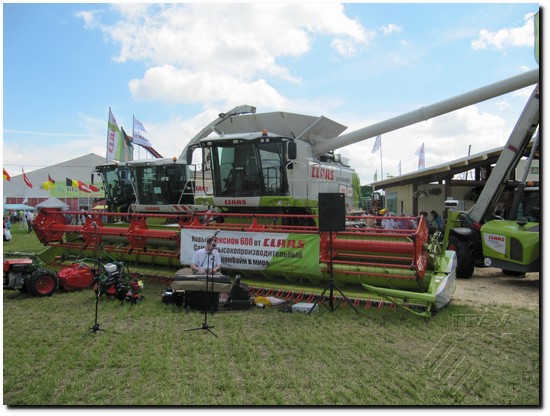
x: 23, y: 272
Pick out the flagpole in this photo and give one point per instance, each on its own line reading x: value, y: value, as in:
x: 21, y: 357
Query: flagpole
x: 24, y: 185
x: 134, y: 134
x: 381, y: 168
x: 108, y: 132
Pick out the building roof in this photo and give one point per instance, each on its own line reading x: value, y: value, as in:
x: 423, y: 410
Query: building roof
x: 79, y: 168
x: 441, y: 172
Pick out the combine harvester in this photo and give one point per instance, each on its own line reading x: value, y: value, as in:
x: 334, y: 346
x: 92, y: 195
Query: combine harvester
x: 263, y: 174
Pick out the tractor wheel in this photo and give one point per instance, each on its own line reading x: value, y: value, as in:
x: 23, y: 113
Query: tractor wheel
x: 43, y: 283
x: 465, y: 258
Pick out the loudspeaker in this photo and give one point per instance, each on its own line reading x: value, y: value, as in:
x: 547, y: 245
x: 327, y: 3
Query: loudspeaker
x: 200, y: 300
x: 332, y: 212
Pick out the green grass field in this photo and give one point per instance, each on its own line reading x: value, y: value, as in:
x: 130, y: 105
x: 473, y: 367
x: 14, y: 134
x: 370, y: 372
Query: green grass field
x: 146, y: 355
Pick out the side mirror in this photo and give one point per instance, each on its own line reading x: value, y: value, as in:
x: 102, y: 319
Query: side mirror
x: 292, y: 150
x: 189, y: 156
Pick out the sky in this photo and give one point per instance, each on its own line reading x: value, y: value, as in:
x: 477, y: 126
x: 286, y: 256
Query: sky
x: 176, y: 66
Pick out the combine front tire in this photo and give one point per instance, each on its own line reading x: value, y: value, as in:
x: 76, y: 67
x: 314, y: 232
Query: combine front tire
x: 43, y: 283
x: 465, y: 258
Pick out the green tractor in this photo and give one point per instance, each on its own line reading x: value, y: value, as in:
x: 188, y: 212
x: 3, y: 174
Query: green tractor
x: 511, y: 244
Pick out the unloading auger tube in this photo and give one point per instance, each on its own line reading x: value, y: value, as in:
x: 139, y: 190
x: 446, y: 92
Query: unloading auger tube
x: 425, y: 113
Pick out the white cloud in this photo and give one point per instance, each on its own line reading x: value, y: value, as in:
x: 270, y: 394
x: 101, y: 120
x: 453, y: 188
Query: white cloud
x: 89, y: 19
x: 390, y: 29
x: 223, y: 49
x: 506, y: 37
x: 167, y: 83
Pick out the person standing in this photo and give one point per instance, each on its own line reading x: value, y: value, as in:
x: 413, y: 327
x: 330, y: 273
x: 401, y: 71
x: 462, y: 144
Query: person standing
x: 388, y: 223
x: 7, y: 226
x: 436, y: 223
x: 29, y: 218
x: 207, y: 258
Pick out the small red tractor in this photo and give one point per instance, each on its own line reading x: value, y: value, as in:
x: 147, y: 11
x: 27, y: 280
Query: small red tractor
x: 24, y: 272
x: 112, y: 278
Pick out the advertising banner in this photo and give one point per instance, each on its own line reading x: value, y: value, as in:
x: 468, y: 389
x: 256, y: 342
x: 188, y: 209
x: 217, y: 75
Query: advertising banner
x: 291, y: 253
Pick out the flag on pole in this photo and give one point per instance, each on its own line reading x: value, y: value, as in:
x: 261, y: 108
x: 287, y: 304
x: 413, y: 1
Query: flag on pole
x: 72, y: 182
x: 141, y: 140
x: 26, y: 179
x: 376, y: 175
x: 399, y: 168
x: 138, y: 136
x: 421, y: 157
x: 114, y: 139
x: 46, y: 185
x: 377, y: 143
x: 7, y: 176
x: 93, y: 188
x: 128, y: 150
x: 138, y: 126
x: 83, y: 187
x: 49, y: 184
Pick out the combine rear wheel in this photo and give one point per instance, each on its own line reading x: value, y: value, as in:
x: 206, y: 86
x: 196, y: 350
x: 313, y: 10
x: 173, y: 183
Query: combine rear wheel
x: 42, y: 283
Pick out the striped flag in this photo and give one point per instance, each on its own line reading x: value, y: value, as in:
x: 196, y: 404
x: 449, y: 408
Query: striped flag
x: 26, y: 179
x: 93, y: 188
x: 114, y: 139
x: 83, y: 187
x: 7, y: 176
x: 49, y: 184
x: 72, y: 182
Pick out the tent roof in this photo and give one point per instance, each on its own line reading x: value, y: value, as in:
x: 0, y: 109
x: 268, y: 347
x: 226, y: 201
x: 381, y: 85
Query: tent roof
x: 52, y: 203
x: 19, y: 207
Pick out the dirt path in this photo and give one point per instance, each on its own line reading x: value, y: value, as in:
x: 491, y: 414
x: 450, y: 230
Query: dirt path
x: 490, y: 286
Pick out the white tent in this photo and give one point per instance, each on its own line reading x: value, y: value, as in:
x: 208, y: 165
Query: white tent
x: 18, y: 207
x: 53, y: 203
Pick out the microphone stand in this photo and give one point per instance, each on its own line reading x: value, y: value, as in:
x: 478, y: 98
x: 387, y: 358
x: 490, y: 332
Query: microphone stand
x: 209, y: 268
x: 96, y: 327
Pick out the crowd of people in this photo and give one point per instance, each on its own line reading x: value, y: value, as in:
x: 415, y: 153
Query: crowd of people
x: 390, y: 220
x: 26, y: 218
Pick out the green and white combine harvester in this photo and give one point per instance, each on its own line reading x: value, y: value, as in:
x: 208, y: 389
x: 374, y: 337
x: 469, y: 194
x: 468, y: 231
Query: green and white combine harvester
x: 259, y: 184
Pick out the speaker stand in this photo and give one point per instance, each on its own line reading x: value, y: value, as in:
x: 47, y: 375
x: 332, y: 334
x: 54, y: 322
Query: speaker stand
x: 332, y: 285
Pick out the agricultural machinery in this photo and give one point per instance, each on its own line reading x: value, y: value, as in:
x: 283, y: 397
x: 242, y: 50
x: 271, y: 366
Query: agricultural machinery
x: 112, y: 278
x: 25, y: 272
x: 511, y: 244
x: 259, y: 184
